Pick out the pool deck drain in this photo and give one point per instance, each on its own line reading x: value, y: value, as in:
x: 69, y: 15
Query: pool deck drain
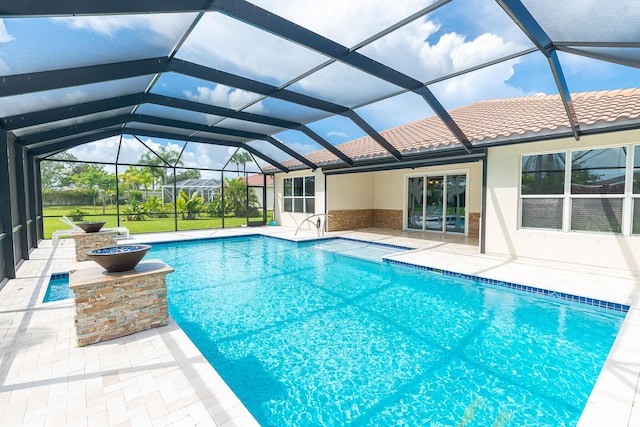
x: 158, y: 377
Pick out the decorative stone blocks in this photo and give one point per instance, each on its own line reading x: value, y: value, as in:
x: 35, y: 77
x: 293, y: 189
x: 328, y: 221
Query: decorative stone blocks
x: 112, y: 305
x: 383, y: 218
x: 350, y: 219
x: 388, y: 218
x: 474, y: 224
x: 86, y: 242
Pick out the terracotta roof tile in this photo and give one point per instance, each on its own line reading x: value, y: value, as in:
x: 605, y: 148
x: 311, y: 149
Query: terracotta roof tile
x: 492, y: 121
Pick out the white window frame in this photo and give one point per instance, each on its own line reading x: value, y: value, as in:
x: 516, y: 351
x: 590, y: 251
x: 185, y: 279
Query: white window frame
x: 293, y: 197
x: 627, y: 196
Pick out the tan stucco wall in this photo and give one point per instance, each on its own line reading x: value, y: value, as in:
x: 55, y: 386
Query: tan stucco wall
x: 382, y: 192
x: 351, y: 191
x: 503, y: 235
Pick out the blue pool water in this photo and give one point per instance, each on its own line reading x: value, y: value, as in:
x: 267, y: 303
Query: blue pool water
x: 58, y: 288
x: 307, y: 337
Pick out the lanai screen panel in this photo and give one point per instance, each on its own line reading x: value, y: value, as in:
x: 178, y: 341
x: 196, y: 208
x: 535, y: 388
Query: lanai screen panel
x: 43, y: 43
x: 587, y: 21
x: 449, y: 40
x: 246, y: 51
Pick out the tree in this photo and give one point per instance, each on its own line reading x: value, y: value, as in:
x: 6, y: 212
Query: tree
x: 235, y: 198
x: 158, y: 163
x: 190, y: 207
x: 101, y: 183
x: 241, y: 158
x: 56, y: 173
x: 184, y: 175
x: 136, y: 178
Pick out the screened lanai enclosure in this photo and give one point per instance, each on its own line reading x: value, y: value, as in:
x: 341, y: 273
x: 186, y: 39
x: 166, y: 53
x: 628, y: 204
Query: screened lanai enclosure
x: 205, y: 188
x: 106, y: 104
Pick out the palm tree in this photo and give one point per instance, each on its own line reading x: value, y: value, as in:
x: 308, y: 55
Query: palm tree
x: 190, y: 207
x: 235, y: 198
x: 241, y: 157
x: 157, y: 163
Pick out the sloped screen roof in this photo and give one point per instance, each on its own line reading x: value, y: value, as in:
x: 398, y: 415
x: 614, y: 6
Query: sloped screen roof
x: 284, y: 79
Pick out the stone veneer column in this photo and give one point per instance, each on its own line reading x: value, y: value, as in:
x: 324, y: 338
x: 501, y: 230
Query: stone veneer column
x: 112, y: 305
x: 86, y: 242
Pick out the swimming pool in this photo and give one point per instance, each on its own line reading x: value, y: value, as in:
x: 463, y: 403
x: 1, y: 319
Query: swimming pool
x: 58, y: 288
x: 310, y: 337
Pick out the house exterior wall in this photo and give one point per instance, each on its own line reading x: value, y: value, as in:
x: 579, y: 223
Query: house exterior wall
x: 375, y: 199
x: 350, y: 201
x: 503, y: 235
x: 291, y: 219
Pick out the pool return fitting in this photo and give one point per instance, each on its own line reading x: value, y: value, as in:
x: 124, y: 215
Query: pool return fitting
x: 318, y: 224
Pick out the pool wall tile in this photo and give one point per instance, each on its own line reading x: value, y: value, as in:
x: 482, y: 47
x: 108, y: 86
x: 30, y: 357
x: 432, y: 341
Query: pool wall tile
x: 518, y: 287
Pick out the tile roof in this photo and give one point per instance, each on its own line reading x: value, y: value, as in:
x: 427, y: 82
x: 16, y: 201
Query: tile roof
x: 257, y: 180
x: 494, y: 121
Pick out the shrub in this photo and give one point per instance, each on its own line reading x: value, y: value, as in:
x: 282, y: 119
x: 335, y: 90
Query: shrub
x: 215, y: 208
x: 135, y: 211
x: 190, y: 207
x: 76, y: 214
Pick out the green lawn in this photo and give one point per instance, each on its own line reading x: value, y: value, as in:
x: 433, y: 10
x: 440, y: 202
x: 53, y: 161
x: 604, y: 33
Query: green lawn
x: 53, y: 214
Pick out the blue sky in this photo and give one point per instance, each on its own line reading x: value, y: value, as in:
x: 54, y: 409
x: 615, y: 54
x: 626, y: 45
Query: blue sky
x: 461, y: 34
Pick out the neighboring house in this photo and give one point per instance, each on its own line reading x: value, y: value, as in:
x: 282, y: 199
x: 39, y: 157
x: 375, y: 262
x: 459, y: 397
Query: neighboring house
x: 256, y: 183
x: 546, y: 194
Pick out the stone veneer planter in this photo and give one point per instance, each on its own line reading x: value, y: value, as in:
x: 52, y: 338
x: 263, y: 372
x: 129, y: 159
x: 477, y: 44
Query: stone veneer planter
x: 112, y: 305
x: 86, y: 242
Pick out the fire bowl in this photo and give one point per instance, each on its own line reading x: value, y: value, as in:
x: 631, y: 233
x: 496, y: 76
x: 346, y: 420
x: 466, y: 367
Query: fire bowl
x: 119, y: 258
x: 91, y: 226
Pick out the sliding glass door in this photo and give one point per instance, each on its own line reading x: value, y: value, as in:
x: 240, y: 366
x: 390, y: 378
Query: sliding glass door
x: 437, y: 203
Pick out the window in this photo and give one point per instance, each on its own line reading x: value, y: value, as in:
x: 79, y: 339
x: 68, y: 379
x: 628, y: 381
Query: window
x: 542, y: 189
x: 635, y: 196
x: 597, y: 189
x: 299, y: 194
x: 585, y: 194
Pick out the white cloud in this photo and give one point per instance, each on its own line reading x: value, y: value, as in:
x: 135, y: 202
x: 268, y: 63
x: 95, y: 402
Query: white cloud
x: 230, y: 45
x: 159, y: 29
x: 75, y: 97
x: 225, y: 96
x: 5, y: 37
x: 4, y: 34
x: 347, y: 22
x: 207, y: 155
x: 337, y: 133
x: 104, y: 150
x: 487, y: 83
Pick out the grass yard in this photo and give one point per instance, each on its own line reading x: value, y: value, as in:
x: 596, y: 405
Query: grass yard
x: 53, y: 214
